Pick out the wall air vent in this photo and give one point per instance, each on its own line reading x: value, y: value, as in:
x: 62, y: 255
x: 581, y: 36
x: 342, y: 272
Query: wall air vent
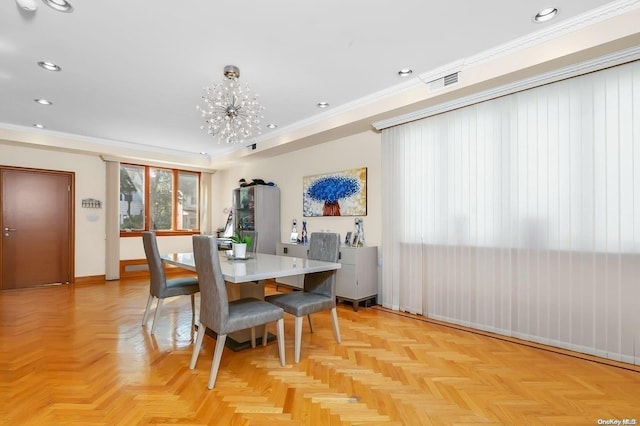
x: 445, y: 81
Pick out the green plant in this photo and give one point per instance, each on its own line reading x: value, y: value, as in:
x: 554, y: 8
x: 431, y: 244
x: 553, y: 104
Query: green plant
x: 242, y: 239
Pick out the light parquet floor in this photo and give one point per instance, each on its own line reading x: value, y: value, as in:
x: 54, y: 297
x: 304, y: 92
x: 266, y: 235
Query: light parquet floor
x: 78, y: 355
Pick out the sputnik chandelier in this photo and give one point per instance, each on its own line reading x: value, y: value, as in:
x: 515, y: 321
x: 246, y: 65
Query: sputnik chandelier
x: 232, y: 112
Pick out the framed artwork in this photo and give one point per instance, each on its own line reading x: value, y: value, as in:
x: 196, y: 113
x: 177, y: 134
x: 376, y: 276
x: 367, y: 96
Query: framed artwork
x: 335, y: 194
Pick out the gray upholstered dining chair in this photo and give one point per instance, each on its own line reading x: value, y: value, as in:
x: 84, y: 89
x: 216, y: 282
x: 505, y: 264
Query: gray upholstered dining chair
x: 319, y: 291
x: 159, y: 287
x: 220, y: 315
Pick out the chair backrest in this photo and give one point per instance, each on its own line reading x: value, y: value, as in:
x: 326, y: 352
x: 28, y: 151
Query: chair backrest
x: 323, y: 246
x: 157, y: 277
x: 214, y: 302
x: 253, y: 248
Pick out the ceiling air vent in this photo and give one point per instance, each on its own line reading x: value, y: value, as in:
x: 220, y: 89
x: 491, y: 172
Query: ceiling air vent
x: 445, y: 81
x: 451, y: 79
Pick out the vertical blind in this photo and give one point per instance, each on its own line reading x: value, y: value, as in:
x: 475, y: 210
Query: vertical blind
x: 521, y: 215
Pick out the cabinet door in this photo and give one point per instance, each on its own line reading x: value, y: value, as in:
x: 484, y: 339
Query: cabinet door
x: 346, y: 282
x: 244, y: 208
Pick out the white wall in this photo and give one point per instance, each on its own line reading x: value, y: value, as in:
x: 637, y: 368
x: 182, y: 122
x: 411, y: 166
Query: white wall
x: 89, y: 183
x: 287, y: 171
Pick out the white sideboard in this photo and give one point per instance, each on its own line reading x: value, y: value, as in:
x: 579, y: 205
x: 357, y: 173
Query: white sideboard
x: 356, y: 281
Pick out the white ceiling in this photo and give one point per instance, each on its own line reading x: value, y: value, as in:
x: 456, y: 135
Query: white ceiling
x: 133, y: 71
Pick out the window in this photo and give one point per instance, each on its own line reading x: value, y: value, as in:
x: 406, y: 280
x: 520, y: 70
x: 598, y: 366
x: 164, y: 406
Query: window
x: 164, y: 200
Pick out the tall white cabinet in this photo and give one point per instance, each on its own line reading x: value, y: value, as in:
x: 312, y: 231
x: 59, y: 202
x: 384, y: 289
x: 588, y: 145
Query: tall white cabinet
x: 356, y: 280
x: 257, y: 208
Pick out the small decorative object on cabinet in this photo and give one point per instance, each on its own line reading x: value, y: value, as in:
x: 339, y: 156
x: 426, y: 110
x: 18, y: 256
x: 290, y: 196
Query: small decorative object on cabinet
x: 294, y: 231
x: 257, y: 208
x: 304, y: 239
x: 356, y: 280
x: 358, y: 237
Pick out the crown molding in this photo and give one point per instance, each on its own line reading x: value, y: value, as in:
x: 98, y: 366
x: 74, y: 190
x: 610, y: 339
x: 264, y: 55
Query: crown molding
x: 618, y: 58
x: 105, y: 148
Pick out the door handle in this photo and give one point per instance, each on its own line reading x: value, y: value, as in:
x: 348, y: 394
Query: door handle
x: 10, y: 229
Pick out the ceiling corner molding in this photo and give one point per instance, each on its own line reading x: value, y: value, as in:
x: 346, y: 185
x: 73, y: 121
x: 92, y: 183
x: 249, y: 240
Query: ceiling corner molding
x: 586, y: 19
x: 84, y: 144
x: 617, y: 58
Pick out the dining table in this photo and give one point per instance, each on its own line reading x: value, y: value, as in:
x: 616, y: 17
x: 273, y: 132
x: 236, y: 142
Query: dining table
x: 254, y: 267
x: 246, y: 278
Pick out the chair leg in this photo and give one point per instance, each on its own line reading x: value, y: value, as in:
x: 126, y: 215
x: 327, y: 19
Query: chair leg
x: 280, y: 340
x: 197, y: 346
x: 217, y: 356
x: 253, y: 337
x: 310, y: 323
x: 336, y: 327
x: 193, y: 308
x: 147, y: 309
x: 298, y: 339
x: 265, y: 335
x: 156, y: 316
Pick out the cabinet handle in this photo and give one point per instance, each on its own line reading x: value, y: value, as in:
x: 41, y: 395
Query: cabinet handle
x: 339, y: 255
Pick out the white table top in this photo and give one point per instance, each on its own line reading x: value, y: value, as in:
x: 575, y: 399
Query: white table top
x: 259, y: 267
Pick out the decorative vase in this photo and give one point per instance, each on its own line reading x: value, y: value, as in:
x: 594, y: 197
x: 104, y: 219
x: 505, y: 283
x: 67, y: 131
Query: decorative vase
x: 239, y: 250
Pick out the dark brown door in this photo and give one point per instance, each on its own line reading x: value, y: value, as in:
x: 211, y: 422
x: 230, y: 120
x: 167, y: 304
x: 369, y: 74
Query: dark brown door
x: 35, y: 245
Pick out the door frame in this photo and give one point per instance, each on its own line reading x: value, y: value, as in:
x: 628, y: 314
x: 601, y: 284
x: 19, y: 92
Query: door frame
x: 70, y: 207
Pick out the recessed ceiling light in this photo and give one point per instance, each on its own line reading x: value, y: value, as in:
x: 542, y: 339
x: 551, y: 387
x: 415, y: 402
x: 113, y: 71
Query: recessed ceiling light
x: 49, y: 66
x: 546, y: 14
x: 405, y: 72
x: 39, y: 126
x: 272, y: 126
x: 323, y: 104
x: 43, y: 102
x: 59, y: 5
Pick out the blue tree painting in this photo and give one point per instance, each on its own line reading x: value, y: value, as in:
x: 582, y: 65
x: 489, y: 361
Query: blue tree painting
x: 337, y: 194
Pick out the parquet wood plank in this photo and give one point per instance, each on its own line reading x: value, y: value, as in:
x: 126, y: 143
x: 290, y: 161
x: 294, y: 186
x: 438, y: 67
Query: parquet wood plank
x: 78, y: 355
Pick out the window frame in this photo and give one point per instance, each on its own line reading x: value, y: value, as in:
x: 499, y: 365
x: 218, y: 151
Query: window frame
x: 174, y: 209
